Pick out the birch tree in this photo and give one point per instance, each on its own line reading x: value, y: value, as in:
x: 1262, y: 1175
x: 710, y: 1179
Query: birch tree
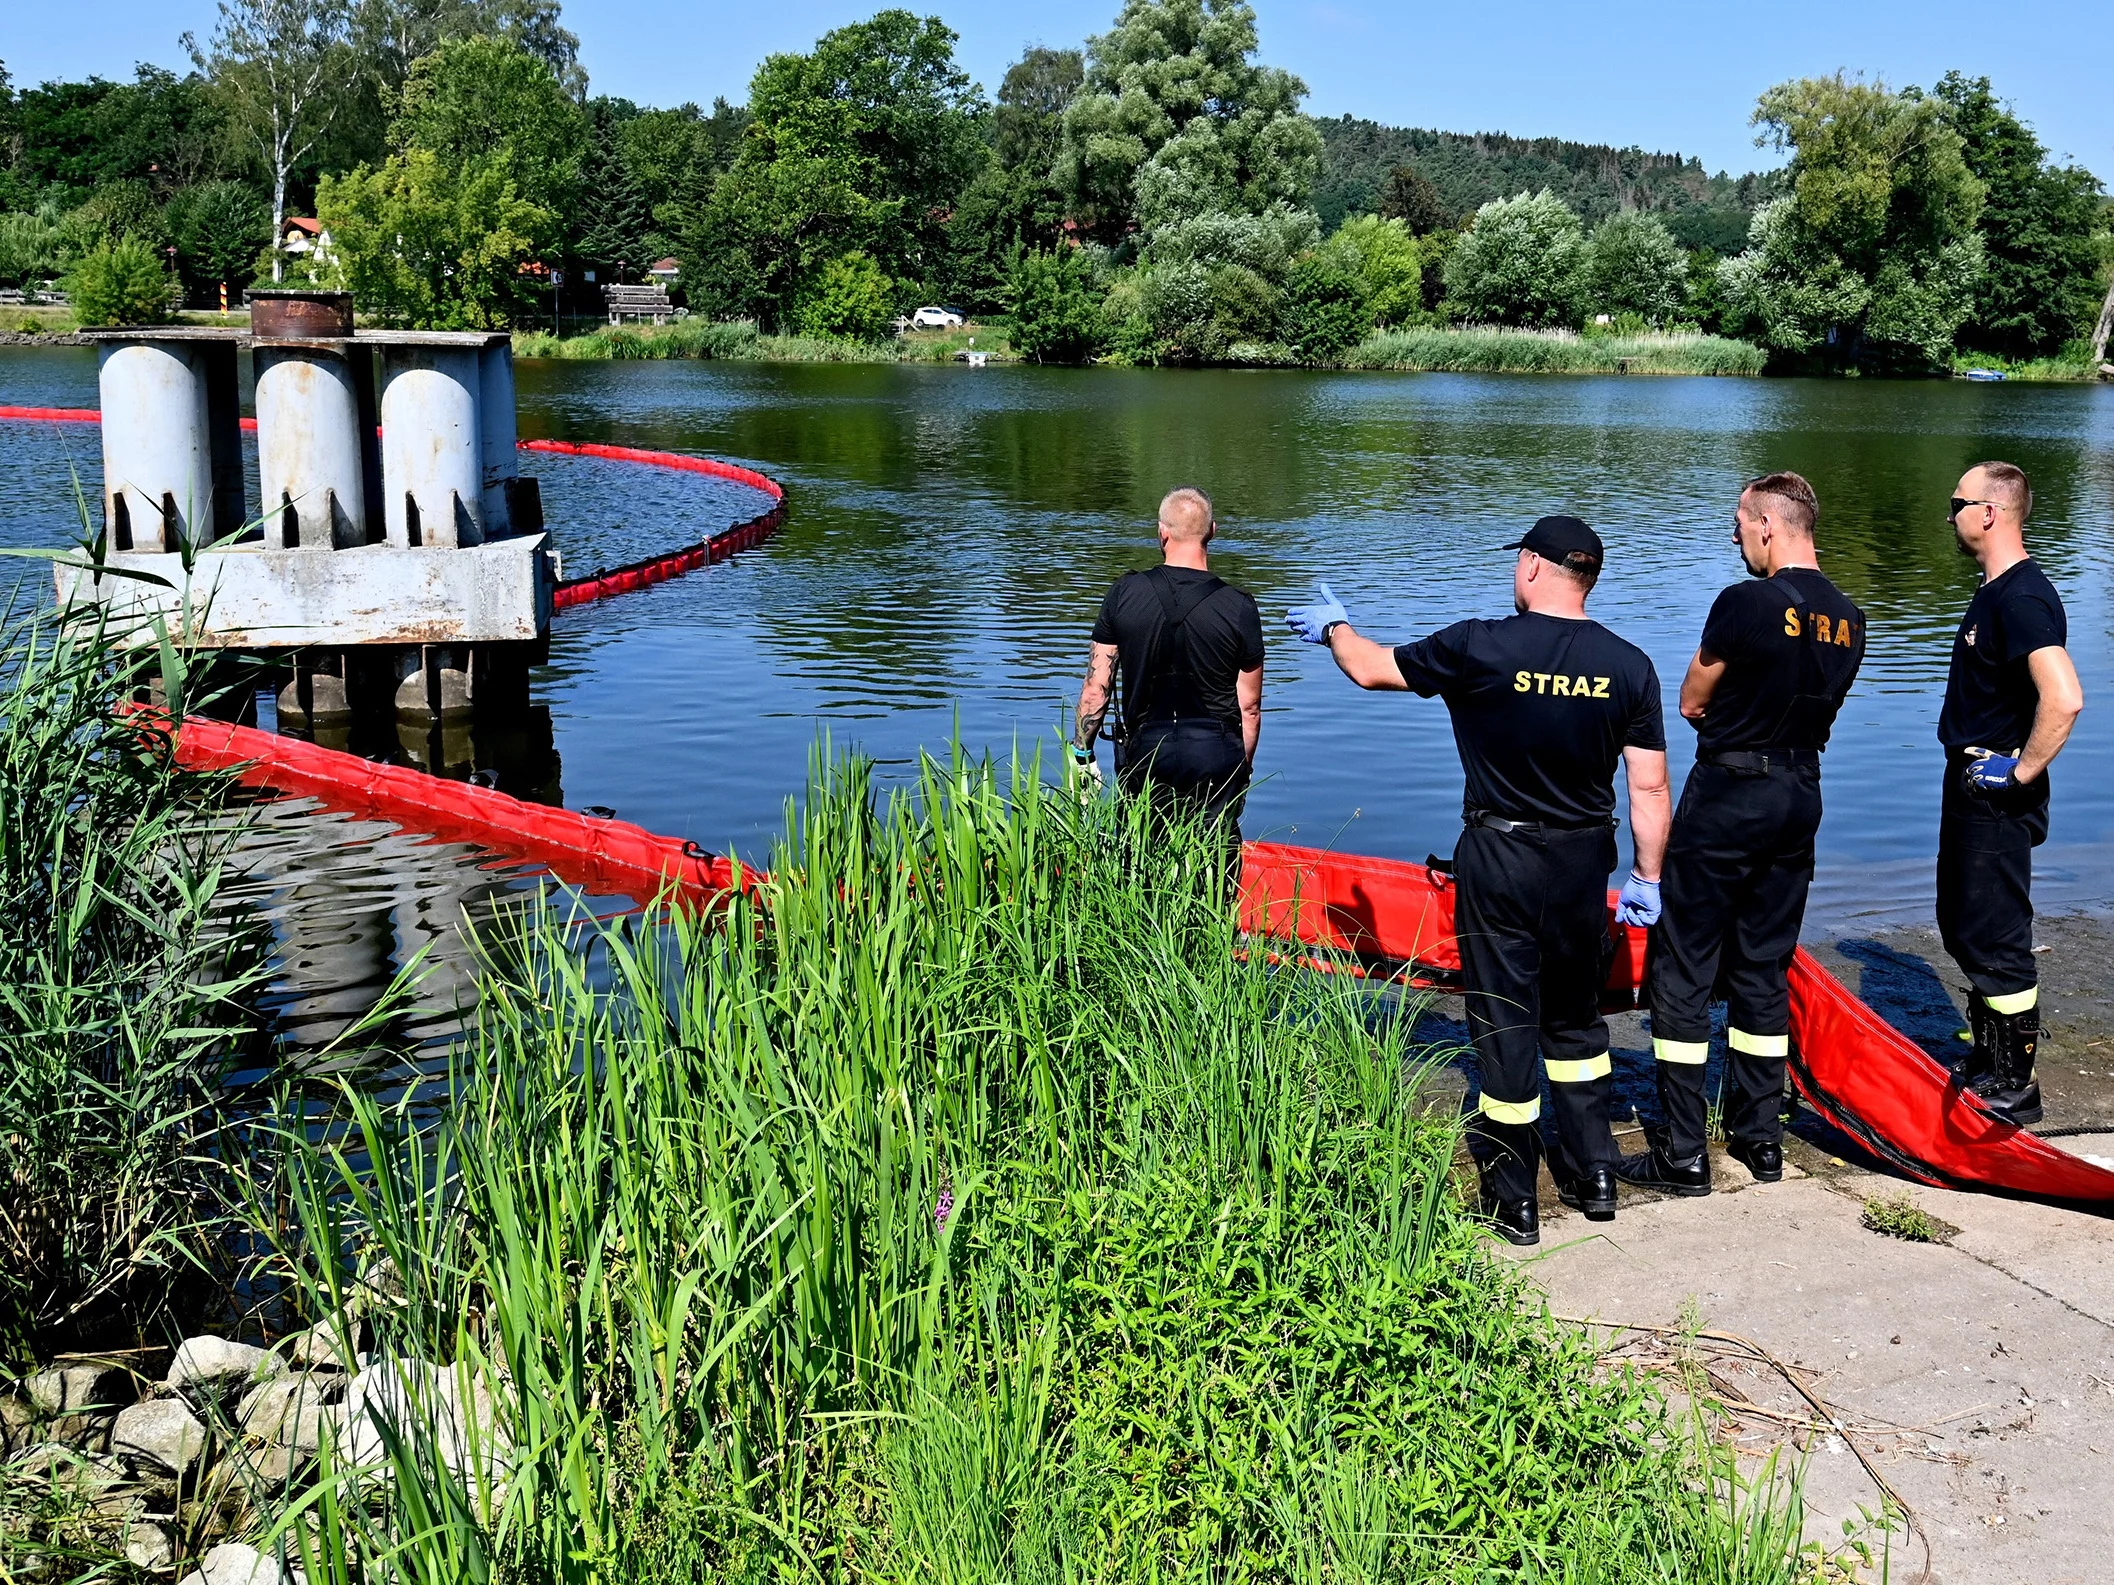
x: 283, y: 66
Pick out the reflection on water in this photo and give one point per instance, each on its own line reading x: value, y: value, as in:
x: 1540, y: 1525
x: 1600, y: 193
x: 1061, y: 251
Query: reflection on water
x: 952, y: 531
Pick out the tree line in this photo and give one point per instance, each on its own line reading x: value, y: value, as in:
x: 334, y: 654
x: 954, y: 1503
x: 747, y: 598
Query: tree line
x: 1157, y: 195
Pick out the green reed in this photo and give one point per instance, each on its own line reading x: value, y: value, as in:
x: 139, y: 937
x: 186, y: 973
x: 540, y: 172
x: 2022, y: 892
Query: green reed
x: 1489, y: 349
x: 966, y: 1203
x: 126, y: 997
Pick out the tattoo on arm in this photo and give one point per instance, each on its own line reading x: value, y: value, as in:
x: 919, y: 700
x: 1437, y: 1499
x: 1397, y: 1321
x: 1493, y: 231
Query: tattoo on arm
x: 1094, y: 696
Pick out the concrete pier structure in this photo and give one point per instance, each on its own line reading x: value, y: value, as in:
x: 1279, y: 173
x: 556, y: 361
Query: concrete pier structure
x: 172, y: 440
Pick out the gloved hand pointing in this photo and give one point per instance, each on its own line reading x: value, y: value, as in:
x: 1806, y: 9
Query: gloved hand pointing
x: 1992, y: 772
x: 1638, y: 903
x: 1312, y: 622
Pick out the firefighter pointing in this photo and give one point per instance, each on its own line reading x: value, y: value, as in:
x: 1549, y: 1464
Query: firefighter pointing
x: 1543, y: 704
x: 1779, y: 653
x: 2010, y: 701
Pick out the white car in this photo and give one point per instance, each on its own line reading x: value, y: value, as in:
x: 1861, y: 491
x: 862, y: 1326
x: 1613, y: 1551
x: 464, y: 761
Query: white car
x: 936, y: 319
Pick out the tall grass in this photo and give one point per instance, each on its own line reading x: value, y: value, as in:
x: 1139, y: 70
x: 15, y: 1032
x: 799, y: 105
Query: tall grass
x: 961, y: 1206
x: 125, y: 998
x: 1489, y: 349
x: 699, y: 338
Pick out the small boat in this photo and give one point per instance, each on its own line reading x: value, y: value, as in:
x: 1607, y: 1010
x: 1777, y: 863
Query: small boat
x: 1985, y: 374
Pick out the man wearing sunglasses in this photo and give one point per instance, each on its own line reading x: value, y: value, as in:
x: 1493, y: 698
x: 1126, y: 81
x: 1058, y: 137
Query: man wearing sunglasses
x: 2010, y: 701
x: 1778, y: 655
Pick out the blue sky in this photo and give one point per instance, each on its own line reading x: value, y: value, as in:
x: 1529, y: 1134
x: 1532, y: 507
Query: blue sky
x: 1653, y: 72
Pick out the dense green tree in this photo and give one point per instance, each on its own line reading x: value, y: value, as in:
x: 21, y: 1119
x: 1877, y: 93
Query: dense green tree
x: 1410, y: 197
x: 849, y: 296
x: 2041, y: 283
x: 1525, y: 262
x: 160, y: 129
x: 1873, y: 258
x: 424, y: 244
x: 29, y: 248
x: 862, y: 145
x: 114, y: 211
x: 1327, y: 304
x: 1013, y: 205
x: 120, y: 283
x: 485, y: 98
x: 1637, y: 268
x: 1176, y: 119
x: 677, y: 156
x: 1382, y: 250
x: 219, y: 229
x: 1056, y: 307
x: 391, y: 35
x: 613, y: 222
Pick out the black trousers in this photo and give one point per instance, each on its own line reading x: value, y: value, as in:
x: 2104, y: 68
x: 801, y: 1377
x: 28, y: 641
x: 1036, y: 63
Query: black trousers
x: 1200, y: 765
x: 1530, y: 910
x: 1733, y: 897
x: 1985, y: 880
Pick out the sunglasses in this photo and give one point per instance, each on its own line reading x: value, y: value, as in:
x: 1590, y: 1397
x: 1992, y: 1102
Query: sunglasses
x: 1960, y: 504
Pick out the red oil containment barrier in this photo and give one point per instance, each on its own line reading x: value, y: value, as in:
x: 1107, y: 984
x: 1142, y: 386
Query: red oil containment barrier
x: 607, y: 857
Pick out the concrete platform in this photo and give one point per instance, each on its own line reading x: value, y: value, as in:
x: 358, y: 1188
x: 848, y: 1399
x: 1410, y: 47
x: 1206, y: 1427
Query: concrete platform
x: 1978, y: 1373
x: 248, y: 597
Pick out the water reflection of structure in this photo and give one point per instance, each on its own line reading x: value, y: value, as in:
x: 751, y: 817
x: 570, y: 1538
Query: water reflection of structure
x: 350, y: 902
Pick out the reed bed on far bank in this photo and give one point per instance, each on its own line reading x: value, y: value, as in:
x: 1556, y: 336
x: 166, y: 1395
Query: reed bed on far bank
x: 962, y: 1206
x: 739, y: 339
x: 1490, y: 349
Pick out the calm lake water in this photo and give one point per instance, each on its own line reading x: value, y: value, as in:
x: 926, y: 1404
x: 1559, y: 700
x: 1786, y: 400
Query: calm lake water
x: 952, y: 532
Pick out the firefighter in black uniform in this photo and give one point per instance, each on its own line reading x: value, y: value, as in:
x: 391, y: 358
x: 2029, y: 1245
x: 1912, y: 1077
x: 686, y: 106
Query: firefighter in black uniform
x: 1543, y: 704
x: 2010, y: 701
x: 1190, y: 650
x: 1778, y: 655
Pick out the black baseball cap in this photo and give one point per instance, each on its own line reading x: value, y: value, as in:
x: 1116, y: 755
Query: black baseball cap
x: 1554, y: 538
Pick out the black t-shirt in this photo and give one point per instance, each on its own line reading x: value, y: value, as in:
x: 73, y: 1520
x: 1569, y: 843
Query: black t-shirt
x: 1542, y: 709
x: 1791, y: 645
x: 1175, y: 677
x: 1990, y: 697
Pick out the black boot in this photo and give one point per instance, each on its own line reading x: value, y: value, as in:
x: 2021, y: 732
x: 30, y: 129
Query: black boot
x: 1515, y: 1221
x: 1762, y: 1157
x: 1980, y: 1060
x: 1652, y: 1170
x: 1592, y: 1191
x: 2009, y: 1089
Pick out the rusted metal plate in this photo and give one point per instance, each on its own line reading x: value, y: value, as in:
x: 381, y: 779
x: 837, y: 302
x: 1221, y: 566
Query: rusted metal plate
x: 289, y: 315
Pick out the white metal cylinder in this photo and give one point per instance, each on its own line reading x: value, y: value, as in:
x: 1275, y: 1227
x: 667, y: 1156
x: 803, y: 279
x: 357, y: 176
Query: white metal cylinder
x: 496, y: 416
x: 157, y: 443
x: 432, y: 447
x: 308, y: 449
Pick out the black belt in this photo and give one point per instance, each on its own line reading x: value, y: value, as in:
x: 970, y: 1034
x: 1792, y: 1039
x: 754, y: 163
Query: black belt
x: 1485, y: 820
x: 1759, y: 760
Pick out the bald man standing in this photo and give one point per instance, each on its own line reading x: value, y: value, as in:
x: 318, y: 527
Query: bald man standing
x: 1189, y: 647
x: 2011, y: 699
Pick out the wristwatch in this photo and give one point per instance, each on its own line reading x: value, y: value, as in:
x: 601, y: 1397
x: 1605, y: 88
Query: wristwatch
x: 1081, y: 754
x: 1328, y: 629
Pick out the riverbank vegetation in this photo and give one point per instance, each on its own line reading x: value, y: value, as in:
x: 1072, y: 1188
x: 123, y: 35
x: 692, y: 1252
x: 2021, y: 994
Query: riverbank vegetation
x: 963, y: 1205
x: 1156, y: 196
x: 964, y: 1202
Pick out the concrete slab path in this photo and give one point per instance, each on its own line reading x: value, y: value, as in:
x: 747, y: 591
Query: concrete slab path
x: 1976, y: 1373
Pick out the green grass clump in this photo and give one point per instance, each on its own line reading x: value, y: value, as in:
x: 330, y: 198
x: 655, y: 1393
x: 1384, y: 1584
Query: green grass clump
x: 962, y: 1205
x: 125, y: 1001
x: 2073, y: 364
x: 1897, y: 1216
x: 1487, y: 349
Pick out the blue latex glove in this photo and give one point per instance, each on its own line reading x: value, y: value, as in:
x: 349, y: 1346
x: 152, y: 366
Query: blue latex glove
x: 1312, y: 622
x: 1992, y: 772
x: 1638, y: 903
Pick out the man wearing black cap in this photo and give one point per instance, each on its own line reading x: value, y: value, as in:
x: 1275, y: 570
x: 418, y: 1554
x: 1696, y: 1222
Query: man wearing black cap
x: 1778, y: 655
x: 1543, y: 704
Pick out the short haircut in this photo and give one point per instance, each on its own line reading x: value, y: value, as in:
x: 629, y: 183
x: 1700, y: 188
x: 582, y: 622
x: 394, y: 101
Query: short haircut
x: 2007, y: 486
x: 1583, y: 567
x: 1187, y: 512
x: 1795, y: 501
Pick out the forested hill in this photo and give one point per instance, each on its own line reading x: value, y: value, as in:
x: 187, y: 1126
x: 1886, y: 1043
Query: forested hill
x: 1468, y: 171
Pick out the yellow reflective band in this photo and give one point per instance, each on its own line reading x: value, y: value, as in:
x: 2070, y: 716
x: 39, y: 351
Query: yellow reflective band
x: 2016, y: 1002
x: 1693, y: 1052
x: 1580, y: 1072
x: 1758, y: 1045
x: 1510, y: 1111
